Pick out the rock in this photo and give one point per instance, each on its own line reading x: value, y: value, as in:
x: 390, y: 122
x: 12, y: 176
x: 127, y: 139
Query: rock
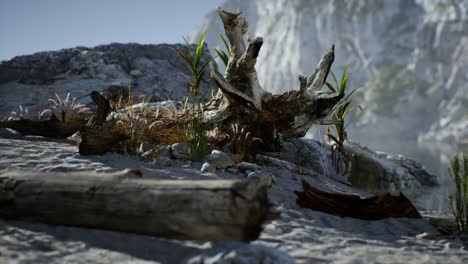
x: 264, y: 177
x: 163, y: 162
x: 164, y: 151
x: 152, y: 70
x: 208, y: 167
x: 181, y: 151
x: 378, y: 171
x: 247, y: 166
x: 220, y: 159
x: 10, y: 133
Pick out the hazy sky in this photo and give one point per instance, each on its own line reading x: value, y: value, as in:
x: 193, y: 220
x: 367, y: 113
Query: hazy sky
x: 28, y: 26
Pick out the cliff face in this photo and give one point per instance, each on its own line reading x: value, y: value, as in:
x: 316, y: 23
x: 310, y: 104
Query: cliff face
x: 409, y: 56
x: 152, y: 70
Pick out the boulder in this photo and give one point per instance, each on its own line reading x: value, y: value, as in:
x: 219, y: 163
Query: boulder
x: 220, y: 159
x: 248, y: 166
x: 181, y: 151
x: 378, y: 171
x: 150, y: 70
x: 264, y: 177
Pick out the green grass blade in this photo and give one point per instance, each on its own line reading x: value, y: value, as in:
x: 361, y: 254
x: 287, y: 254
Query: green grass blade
x: 188, y: 46
x: 198, y: 51
x: 224, y: 42
x: 334, y: 79
x: 222, y: 55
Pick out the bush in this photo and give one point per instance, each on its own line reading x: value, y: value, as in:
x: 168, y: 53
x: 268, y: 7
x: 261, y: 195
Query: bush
x: 337, y: 134
x: 194, y: 131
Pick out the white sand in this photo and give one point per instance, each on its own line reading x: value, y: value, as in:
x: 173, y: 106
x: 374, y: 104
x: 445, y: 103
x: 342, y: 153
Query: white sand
x: 305, y: 235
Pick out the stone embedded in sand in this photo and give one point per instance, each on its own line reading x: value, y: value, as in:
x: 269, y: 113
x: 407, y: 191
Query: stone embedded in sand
x: 208, y: 167
x: 181, y: 151
x: 248, y: 166
x: 163, y: 162
x: 164, y: 151
x: 264, y: 177
x: 220, y: 159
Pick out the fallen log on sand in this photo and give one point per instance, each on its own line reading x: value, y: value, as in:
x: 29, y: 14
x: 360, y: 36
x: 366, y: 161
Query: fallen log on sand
x: 52, y: 128
x: 210, y: 210
x: 350, y: 205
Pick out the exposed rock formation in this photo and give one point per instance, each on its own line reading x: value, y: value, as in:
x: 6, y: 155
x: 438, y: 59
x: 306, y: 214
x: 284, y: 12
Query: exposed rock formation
x: 152, y: 70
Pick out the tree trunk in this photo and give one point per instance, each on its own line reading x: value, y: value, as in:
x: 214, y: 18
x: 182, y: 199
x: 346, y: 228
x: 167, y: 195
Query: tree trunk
x: 211, y: 210
x: 349, y: 205
x: 52, y: 128
x: 244, y: 102
x: 96, y: 138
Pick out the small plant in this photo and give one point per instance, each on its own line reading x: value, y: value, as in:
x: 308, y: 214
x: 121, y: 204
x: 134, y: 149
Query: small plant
x: 67, y: 109
x: 193, y: 59
x: 22, y: 113
x: 458, y: 171
x: 337, y: 133
x: 240, y: 140
x: 194, y: 131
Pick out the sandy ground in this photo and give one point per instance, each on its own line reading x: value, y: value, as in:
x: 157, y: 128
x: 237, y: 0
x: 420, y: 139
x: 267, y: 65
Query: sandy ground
x: 300, y: 234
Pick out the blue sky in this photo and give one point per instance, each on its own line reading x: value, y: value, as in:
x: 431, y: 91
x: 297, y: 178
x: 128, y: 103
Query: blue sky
x: 28, y: 26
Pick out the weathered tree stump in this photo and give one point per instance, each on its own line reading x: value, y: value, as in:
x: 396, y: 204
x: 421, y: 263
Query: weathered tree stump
x: 244, y: 102
x: 350, y: 205
x: 214, y: 210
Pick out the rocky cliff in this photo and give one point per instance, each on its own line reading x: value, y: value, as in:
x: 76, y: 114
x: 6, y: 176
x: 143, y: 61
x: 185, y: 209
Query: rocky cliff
x: 151, y: 70
x: 408, y: 56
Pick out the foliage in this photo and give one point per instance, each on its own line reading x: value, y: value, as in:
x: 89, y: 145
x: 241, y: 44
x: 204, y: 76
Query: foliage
x: 240, y: 140
x: 337, y: 133
x: 22, y: 113
x: 194, y: 131
x: 223, y: 55
x: 192, y: 58
x: 458, y: 171
x: 195, y: 134
x: 142, y: 124
x: 67, y: 109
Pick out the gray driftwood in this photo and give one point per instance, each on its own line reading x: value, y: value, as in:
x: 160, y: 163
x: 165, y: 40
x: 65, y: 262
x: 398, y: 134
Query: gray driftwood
x: 214, y: 210
x: 243, y: 101
x: 52, y: 128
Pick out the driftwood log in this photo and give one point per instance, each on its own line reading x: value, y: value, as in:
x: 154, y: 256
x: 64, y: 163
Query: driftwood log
x: 244, y: 102
x: 349, y: 205
x: 214, y: 210
x: 96, y: 138
x: 52, y: 128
